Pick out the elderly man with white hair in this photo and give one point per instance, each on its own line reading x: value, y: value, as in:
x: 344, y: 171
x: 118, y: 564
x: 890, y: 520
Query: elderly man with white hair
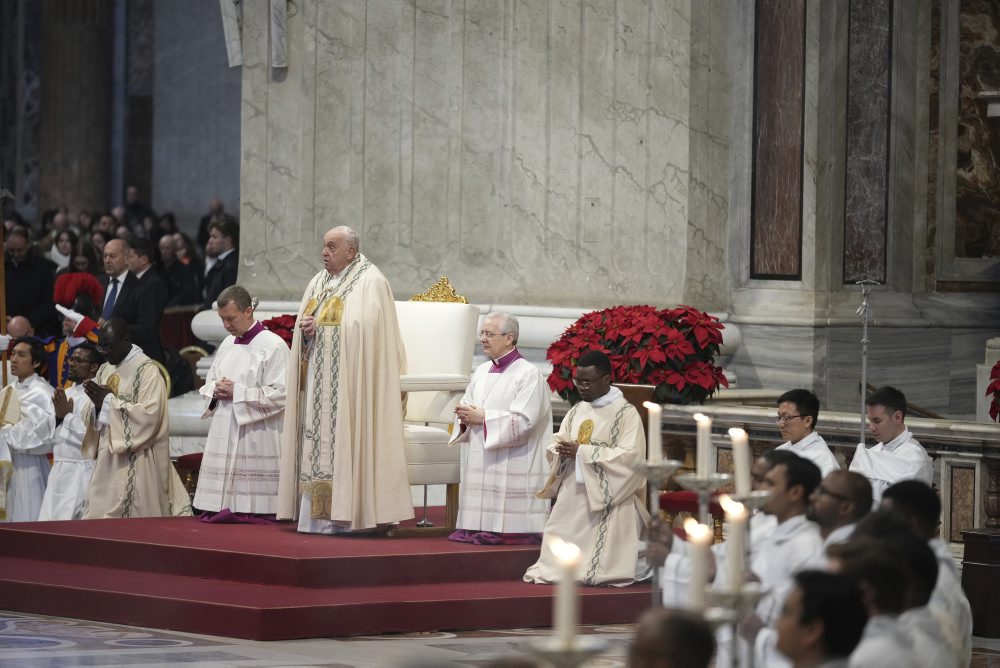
x: 504, y: 423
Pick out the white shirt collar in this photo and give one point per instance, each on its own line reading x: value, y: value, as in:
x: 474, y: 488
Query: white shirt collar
x: 121, y: 277
x: 894, y: 444
x: 613, y: 395
x: 224, y: 254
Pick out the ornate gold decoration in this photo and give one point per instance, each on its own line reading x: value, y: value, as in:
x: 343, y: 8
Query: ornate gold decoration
x: 585, y: 432
x: 321, y: 498
x: 10, y: 412
x: 331, y: 313
x: 442, y: 291
x: 113, y: 382
x: 311, y: 306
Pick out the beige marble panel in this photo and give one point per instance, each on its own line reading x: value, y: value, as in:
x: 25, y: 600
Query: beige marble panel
x: 533, y: 152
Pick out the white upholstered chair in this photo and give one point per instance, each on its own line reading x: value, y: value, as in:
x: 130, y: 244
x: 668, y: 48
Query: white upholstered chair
x: 439, y: 338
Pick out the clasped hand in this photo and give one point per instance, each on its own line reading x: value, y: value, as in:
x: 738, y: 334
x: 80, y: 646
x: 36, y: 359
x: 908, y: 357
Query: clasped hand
x: 308, y: 326
x: 223, y: 389
x: 469, y: 414
x: 96, y: 393
x: 567, y: 448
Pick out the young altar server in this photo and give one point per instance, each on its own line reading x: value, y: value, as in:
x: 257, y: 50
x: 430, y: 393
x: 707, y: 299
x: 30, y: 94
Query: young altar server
x: 503, y: 423
x: 245, y: 397
x: 66, y: 493
x: 599, y: 495
x: 29, y: 438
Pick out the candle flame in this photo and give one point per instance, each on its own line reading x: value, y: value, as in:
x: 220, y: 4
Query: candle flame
x: 701, y: 417
x: 731, y: 507
x: 566, y: 553
x: 736, y: 432
x: 697, y: 532
x: 650, y: 404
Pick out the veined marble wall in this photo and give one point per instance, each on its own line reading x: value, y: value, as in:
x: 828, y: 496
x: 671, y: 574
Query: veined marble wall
x: 534, y: 152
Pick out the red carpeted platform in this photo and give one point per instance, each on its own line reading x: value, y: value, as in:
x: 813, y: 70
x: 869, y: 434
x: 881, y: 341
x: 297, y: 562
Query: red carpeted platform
x: 271, y: 582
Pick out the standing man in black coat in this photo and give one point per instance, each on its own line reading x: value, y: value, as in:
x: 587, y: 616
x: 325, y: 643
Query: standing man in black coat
x: 223, y: 242
x: 125, y: 297
x: 30, y: 279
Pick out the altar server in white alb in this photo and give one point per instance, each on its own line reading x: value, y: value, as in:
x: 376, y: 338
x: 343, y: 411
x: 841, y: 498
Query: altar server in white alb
x: 503, y: 424
x: 245, y: 398
x: 30, y: 438
x: 599, y: 496
x: 798, y: 411
x: 897, y: 455
x: 66, y: 493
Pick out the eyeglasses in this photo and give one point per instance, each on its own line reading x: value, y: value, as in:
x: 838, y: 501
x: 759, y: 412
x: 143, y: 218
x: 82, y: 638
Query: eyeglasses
x: 586, y: 383
x: 490, y: 335
x: 823, y: 491
x: 782, y: 419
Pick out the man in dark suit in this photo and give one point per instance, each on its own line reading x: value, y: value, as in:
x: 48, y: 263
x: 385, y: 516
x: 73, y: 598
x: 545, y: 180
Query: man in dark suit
x: 125, y: 297
x: 30, y: 279
x: 182, y: 282
x: 223, y: 243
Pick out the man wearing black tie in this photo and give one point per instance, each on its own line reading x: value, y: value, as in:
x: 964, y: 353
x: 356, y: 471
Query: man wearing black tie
x: 125, y: 298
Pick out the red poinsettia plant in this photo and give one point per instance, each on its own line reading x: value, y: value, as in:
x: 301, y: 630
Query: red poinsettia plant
x: 673, y: 349
x: 994, y: 389
x: 282, y: 325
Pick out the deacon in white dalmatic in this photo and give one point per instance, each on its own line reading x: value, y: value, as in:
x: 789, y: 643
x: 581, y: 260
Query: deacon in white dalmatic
x: 245, y: 396
x: 504, y: 423
x: 30, y: 438
x: 73, y: 462
x: 600, y: 503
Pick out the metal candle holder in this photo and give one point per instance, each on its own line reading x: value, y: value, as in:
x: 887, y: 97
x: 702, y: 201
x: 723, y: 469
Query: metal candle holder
x: 553, y: 653
x: 729, y: 607
x: 704, y: 488
x: 655, y: 473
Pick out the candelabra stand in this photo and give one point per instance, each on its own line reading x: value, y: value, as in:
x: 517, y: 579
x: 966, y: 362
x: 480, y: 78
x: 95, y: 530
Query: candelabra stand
x: 704, y: 488
x: 655, y: 473
x: 754, y: 501
x: 729, y: 607
x: 557, y: 655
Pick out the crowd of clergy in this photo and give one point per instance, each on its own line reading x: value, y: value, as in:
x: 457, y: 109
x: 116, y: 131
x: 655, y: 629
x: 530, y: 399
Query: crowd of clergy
x: 850, y: 560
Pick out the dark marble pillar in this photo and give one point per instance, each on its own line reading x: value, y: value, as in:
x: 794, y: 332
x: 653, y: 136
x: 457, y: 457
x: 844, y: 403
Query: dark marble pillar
x: 779, y: 89
x: 74, y: 122
x: 867, y: 167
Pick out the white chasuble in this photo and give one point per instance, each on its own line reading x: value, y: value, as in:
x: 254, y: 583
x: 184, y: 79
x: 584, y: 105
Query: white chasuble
x: 29, y: 441
x: 884, y: 464
x: 503, y: 460
x: 69, y: 479
x: 599, y: 496
x: 133, y: 476
x: 239, y: 469
x: 343, y: 466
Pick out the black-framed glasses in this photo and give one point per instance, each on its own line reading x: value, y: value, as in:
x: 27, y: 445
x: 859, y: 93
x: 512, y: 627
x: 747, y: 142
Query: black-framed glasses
x: 586, y: 383
x: 784, y: 419
x: 823, y: 491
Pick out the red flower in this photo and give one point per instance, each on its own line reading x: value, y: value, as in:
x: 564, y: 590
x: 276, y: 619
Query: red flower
x: 283, y: 326
x: 673, y: 349
x: 994, y: 389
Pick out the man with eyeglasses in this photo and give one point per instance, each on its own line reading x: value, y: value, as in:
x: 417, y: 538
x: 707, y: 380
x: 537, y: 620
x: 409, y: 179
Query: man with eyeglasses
x: 599, y: 495
x: 133, y: 476
x: 66, y: 492
x: 798, y: 411
x: 836, y: 505
x: 504, y: 423
x: 897, y: 455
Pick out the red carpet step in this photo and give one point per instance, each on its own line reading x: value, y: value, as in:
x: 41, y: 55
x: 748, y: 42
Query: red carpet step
x: 271, y: 582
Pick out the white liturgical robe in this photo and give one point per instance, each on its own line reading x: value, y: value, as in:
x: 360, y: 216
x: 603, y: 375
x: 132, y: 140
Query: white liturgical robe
x: 503, y: 460
x: 814, y: 448
x: 343, y: 466
x: 883, y: 643
x: 29, y: 441
x: 66, y: 492
x: 239, y: 469
x: 902, y: 458
x: 599, y: 496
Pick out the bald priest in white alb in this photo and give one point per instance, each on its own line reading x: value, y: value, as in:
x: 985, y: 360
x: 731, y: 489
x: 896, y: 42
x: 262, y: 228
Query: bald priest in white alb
x: 343, y: 467
x: 504, y: 424
x: 245, y: 398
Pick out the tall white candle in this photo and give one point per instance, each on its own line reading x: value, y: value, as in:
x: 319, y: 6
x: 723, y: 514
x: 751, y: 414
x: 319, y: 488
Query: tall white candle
x: 566, y: 610
x: 653, y: 444
x: 703, y: 451
x: 736, y: 519
x: 699, y: 538
x: 741, y: 460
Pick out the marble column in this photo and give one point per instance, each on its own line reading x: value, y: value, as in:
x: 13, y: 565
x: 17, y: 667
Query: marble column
x: 74, y: 124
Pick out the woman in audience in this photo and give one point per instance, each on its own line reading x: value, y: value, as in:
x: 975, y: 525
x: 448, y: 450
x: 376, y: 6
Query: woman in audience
x: 97, y: 239
x: 85, y: 259
x: 62, y: 250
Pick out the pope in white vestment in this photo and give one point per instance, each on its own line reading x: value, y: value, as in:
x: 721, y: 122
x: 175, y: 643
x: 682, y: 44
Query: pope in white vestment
x: 30, y: 439
x: 504, y: 424
x: 133, y: 476
x: 69, y: 479
x: 245, y: 397
x: 599, y: 496
x: 343, y: 466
